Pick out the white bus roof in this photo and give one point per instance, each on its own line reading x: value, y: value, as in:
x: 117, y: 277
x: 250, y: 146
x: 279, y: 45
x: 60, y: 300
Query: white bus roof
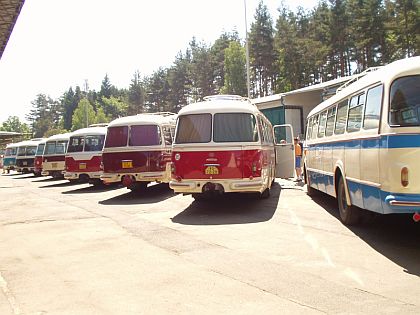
x: 13, y: 145
x: 59, y: 137
x: 90, y: 131
x: 145, y: 119
x: 32, y: 142
x: 221, y: 104
x: 386, y: 73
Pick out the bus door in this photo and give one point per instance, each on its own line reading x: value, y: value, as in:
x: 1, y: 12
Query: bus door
x: 285, y: 151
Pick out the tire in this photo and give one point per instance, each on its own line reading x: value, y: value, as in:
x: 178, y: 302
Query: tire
x: 198, y: 196
x: 138, y: 187
x: 311, y: 192
x: 265, y: 194
x: 349, y: 215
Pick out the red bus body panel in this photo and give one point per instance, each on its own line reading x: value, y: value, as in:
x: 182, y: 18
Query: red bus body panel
x: 235, y: 164
x: 142, y: 161
x: 89, y: 166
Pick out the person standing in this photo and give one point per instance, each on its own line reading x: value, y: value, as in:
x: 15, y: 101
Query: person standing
x: 298, y: 159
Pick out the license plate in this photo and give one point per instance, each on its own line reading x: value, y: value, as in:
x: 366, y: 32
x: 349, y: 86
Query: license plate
x: 211, y: 170
x: 54, y: 165
x: 82, y: 166
x: 127, y: 164
x: 25, y: 163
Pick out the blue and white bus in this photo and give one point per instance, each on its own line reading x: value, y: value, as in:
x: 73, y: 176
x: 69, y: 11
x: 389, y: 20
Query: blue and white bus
x: 363, y: 144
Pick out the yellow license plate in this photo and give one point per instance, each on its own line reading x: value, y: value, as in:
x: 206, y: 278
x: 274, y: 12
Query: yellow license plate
x: 127, y: 164
x: 25, y: 163
x: 54, y: 165
x: 211, y: 170
x: 82, y: 166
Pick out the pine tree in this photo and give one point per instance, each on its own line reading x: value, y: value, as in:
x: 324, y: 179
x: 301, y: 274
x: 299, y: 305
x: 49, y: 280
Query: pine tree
x: 262, y: 53
x: 136, y: 95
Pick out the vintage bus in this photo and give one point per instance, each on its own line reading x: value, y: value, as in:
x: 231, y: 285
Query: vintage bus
x: 9, y: 160
x: 38, y: 157
x: 53, y: 160
x: 138, y: 150
x: 26, y: 155
x: 84, y: 154
x: 225, y: 144
x: 363, y: 144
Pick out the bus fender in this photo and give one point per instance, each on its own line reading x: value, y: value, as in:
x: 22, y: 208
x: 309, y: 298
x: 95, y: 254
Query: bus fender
x: 339, y: 171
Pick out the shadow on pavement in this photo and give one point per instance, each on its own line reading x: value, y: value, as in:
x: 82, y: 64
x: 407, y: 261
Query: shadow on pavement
x: 152, y: 194
x: 232, y: 208
x: 46, y: 179
x: 93, y: 189
x: 396, y: 236
x: 24, y: 176
x: 62, y: 184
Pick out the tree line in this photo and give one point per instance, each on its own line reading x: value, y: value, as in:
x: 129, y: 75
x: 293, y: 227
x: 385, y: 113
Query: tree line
x: 304, y: 47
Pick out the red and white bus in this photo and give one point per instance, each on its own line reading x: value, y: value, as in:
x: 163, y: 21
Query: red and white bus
x: 224, y: 144
x: 53, y: 160
x: 138, y: 150
x: 84, y: 154
x: 38, y: 157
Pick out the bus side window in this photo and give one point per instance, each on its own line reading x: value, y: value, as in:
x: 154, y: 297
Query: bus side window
x: 340, y: 122
x: 373, y: 107
x: 329, y: 129
x: 314, y: 127
x: 322, y: 121
x: 354, y: 120
x: 167, y: 134
x: 309, y: 129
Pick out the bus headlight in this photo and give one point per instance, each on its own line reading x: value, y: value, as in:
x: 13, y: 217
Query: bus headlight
x: 404, y: 176
x: 177, y: 156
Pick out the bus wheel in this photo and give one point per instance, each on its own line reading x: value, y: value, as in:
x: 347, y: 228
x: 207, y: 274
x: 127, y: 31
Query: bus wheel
x: 198, y: 197
x: 349, y: 215
x: 311, y: 192
x: 265, y: 194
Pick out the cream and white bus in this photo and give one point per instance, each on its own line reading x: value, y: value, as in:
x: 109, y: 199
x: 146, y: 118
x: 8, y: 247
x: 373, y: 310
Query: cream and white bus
x: 363, y: 144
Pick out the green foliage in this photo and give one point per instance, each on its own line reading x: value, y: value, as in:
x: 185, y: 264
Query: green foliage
x: 136, y: 95
x: 13, y: 124
x: 235, y: 70
x: 83, y: 116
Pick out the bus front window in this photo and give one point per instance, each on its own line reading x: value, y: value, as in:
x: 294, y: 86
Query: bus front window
x: 195, y: 128
x: 76, y: 144
x: 116, y: 137
x: 94, y: 143
x: 405, y: 102
x: 235, y: 127
x: 143, y: 135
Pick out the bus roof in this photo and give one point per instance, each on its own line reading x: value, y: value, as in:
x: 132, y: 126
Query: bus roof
x: 13, y: 145
x: 384, y: 74
x: 32, y: 142
x: 221, y: 104
x: 145, y: 119
x: 59, y: 137
x: 91, y: 131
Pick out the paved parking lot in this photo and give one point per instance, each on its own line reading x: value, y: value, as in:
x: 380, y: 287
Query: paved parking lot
x: 76, y: 249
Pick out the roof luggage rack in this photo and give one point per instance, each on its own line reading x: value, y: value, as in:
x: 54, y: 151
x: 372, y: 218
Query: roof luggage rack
x: 164, y: 114
x: 226, y: 97
x: 357, y: 77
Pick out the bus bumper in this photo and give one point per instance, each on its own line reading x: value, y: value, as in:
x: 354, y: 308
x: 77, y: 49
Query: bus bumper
x: 75, y: 176
x: 237, y: 185
x: 162, y: 177
x: 402, y: 203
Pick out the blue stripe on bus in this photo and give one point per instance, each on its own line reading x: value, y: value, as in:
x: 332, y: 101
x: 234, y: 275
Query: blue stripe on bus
x: 384, y: 142
x: 365, y: 196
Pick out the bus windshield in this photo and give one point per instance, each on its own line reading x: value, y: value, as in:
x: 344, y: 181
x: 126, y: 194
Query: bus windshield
x: 40, y: 149
x: 10, y: 152
x: 94, y: 143
x: 61, y: 147
x: 116, y: 137
x: 405, y: 102
x: 194, y: 128
x: 235, y: 127
x: 30, y: 150
x: 142, y: 135
x: 21, y: 151
x: 76, y: 144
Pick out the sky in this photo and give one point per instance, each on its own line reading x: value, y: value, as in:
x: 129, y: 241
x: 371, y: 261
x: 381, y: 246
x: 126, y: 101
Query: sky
x: 58, y: 44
